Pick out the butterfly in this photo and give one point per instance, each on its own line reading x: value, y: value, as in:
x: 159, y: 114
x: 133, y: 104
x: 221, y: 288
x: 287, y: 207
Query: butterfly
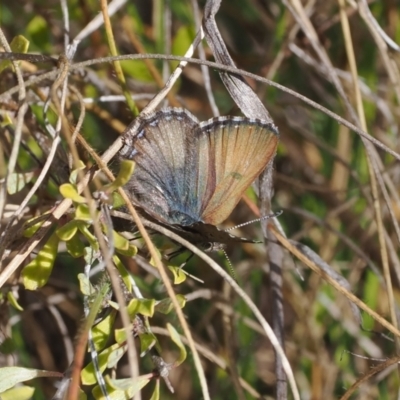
x: 190, y: 175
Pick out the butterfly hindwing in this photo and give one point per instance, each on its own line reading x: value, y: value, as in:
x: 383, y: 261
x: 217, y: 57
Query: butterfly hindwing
x: 238, y: 150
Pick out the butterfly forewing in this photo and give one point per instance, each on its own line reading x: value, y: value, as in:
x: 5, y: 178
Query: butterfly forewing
x: 166, y: 166
x: 239, y: 150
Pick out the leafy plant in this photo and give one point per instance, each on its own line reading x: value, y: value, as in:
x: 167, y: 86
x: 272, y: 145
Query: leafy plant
x: 92, y: 302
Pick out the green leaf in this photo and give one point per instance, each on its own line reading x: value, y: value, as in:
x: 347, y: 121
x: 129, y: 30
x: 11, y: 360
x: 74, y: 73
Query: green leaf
x: 82, y: 213
x: 38, y: 31
x: 179, y: 275
x: 120, y: 242
x: 115, y: 356
x: 181, y: 42
x: 123, y: 272
x: 113, y: 304
x: 7, y: 121
x: 152, y: 262
x: 371, y: 288
x: 29, y: 232
x: 117, y: 200
x: 19, y: 44
x: 141, y: 306
x: 73, y: 178
x: 67, y: 231
x: 37, y: 272
x: 102, y: 331
x: 13, y: 301
x: 124, y: 174
x: 137, y: 69
x: 130, y: 252
x: 123, y: 246
x: 128, y: 384
x: 165, y: 306
x: 156, y: 391
x: 89, y: 236
x: 82, y: 395
x: 75, y: 247
x: 147, y: 341
x: 17, y: 181
x: 130, y: 388
x: 89, y: 255
x: 20, y: 393
x: 177, y: 340
x: 120, y: 335
x: 10, y: 376
x: 85, y: 286
x: 69, y: 192
x: 88, y: 374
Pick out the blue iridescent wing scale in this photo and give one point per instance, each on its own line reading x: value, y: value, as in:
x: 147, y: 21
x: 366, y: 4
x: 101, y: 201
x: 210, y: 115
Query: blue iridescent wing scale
x: 166, y: 156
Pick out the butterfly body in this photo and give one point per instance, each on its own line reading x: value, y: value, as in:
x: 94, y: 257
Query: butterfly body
x: 189, y: 174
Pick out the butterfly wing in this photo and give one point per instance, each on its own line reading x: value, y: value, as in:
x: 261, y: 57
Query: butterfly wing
x: 166, y: 157
x: 233, y: 152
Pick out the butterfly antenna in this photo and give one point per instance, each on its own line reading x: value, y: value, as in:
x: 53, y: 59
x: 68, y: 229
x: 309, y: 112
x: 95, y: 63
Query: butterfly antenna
x: 232, y: 272
x: 277, y: 214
